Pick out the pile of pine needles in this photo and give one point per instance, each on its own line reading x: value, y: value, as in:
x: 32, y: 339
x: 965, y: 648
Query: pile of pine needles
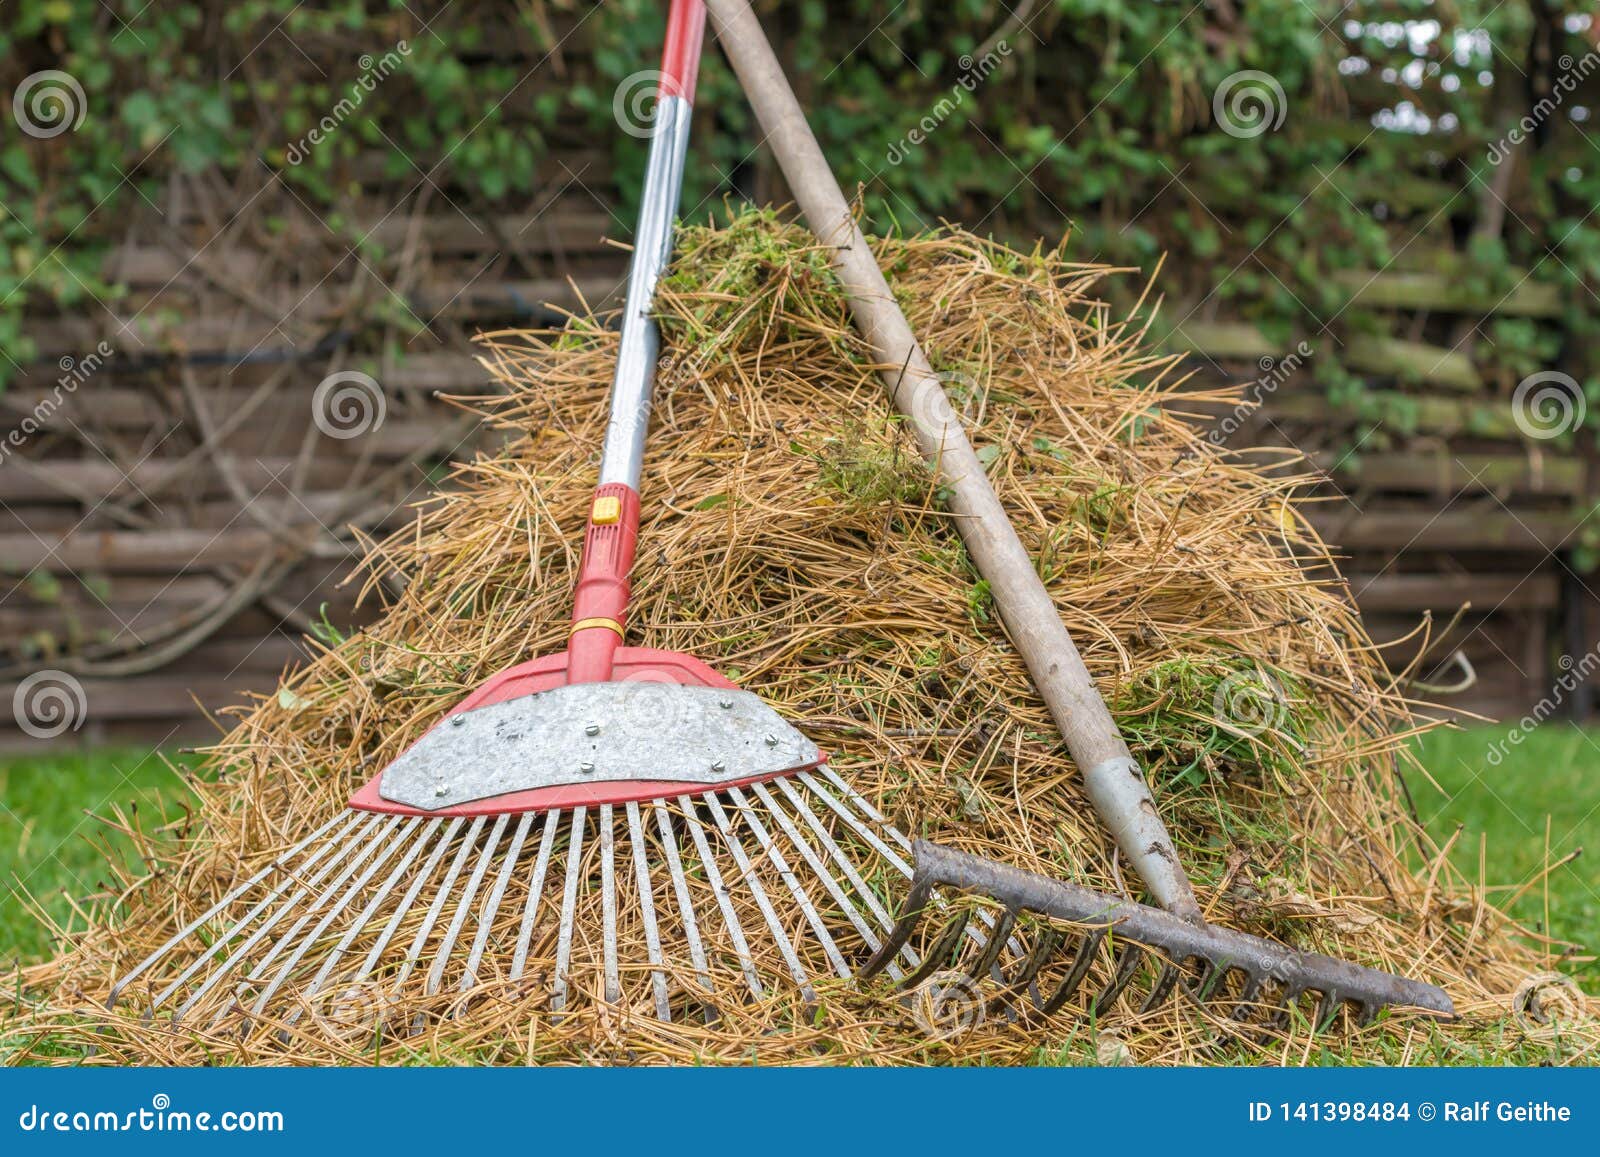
x: 793, y: 540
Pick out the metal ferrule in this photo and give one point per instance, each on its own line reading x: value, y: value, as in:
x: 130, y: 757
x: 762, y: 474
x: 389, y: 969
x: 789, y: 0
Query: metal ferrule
x: 641, y: 343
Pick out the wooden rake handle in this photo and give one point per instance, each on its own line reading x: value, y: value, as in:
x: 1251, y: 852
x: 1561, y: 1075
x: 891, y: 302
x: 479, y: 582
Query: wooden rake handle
x: 1114, y: 782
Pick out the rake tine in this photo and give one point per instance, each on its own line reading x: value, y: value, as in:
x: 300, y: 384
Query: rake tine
x: 871, y: 837
x: 748, y: 872
x: 1128, y: 959
x: 1165, y: 980
x: 226, y: 966
x: 1328, y: 1009
x: 547, y: 840
x: 647, y: 908
x: 724, y: 902
x: 328, y: 848
x: 569, y: 908
x: 855, y: 823
x: 370, y: 842
x: 829, y: 883
x: 1046, y: 941
x: 421, y: 878
x: 949, y: 936
x: 837, y: 855
x: 404, y: 834
x: 847, y: 869
x: 1244, y: 1008
x: 1087, y: 947
x: 491, y: 904
x: 608, y: 905
x: 360, y: 921
x: 998, y: 936
x: 680, y: 885
x: 442, y: 957
x: 446, y: 886
x: 189, y: 929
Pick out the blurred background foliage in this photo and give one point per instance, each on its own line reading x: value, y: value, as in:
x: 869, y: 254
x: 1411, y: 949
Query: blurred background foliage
x: 1098, y: 113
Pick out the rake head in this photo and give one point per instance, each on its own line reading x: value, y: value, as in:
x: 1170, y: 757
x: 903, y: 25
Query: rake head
x: 660, y: 841
x: 1092, y: 949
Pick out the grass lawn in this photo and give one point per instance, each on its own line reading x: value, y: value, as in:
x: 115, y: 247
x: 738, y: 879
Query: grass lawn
x: 45, y: 835
x: 1538, y: 804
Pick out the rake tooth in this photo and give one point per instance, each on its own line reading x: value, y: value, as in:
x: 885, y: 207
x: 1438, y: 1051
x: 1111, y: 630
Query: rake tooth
x: 850, y: 818
x: 417, y: 882
x: 569, y: 909
x: 402, y: 835
x: 1165, y: 980
x: 829, y: 883
x: 720, y: 890
x: 680, y: 886
x: 780, y: 937
x: 464, y: 908
x: 327, y: 848
x: 1245, y: 1007
x: 189, y: 929
x: 999, y: 934
x: 530, y: 911
x: 446, y: 887
x: 1128, y: 959
x: 1045, y: 943
x: 838, y: 856
x: 371, y: 840
x: 491, y: 904
x: 608, y: 905
x: 1087, y: 947
x: 792, y: 882
x: 949, y: 936
x: 1328, y: 1009
x: 647, y: 907
x: 366, y: 914
x: 348, y: 844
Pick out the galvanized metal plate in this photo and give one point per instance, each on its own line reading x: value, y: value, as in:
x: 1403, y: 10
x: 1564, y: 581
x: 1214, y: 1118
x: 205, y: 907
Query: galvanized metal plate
x: 596, y: 733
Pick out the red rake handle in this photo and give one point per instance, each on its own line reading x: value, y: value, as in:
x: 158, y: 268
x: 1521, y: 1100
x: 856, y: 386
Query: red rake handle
x: 600, y: 601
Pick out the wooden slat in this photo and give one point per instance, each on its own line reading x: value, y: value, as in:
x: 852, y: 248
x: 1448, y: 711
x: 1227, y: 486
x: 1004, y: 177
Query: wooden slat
x: 1446, y: 294
x: 1427, y: 414
x: 1446, y: 473
x: 1454, y: 529
x: 1410, y: 361
x: 1376, y: 594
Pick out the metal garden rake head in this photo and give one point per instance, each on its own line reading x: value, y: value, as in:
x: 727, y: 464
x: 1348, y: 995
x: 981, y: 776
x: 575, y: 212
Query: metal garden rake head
x: 611, y: 813
x: 1090, y: 950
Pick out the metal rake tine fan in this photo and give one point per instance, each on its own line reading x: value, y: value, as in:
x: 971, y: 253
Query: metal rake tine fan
x: 1112, y: 779
x: 624, y: 789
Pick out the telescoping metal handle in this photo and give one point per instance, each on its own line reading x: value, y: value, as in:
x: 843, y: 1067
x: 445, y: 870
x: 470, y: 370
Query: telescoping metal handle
x: 601, y: 598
